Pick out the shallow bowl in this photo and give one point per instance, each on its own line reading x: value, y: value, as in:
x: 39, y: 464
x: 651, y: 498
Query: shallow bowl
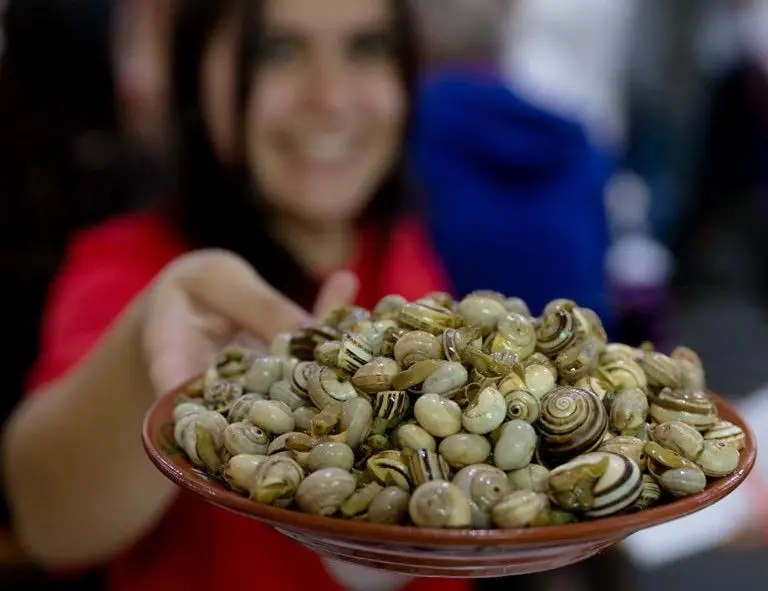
x: 435, y: 552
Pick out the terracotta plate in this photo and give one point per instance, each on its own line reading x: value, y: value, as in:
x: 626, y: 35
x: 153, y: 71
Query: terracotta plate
x: 428, y: 552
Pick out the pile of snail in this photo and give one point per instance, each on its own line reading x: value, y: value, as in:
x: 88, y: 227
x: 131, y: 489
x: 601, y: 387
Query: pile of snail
x: 457, y: 414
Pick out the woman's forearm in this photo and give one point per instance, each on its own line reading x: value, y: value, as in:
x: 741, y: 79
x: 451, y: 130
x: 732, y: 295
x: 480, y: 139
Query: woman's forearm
x: 79, y: 484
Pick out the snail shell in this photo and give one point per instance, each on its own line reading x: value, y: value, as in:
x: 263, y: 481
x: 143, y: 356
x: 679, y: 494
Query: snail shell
x: 540, y: 379
x: 660, y: 459
x: 327, y: 353
x: 282, y: 391
x: 597, y: 386
x: 299, y: 376
x: 241, y: 407
x: 189, y: 408
x: 232, y: 361
x: 515, y: 333
x: 355, y: 352
x: 416, y: 345
x: 464, y: 449
x: 629, y: 410
x: 446, y: 380
x: 276, y: 479
x: 522, y: 405
x: 390, y: 338
x: 263, y: 372
x: 428, y: 316
x: 324, y: 422
x: 533, y: 477
x: 389, y: 410
x: 303, y: 417
x: 559, y: 328
x: 517, y: 306
x: 359, y: 501
x: 627, y: 446
x: 456, y: 340
x: 661, y: 371
x: 330, y: 454
x: 390, y: 506
x: 616, y: 351
x: 305, y: 340
x: 718, y: 458
x: 519, y: 509
x: 650, y: 494
x: 623, y: 373
x: 220, y: 395
x: 376, y: 375
x: 486, y: 413
x: 727, y: 432
x: 482, y: 311
x: 388, y: 469
x: 240, y: 471
x: 578, y: 359
x: 201, y: 436
x: 389, y: 307
x: 411, y: 436
x: 272, y: 416
x: 356, y: 420
x: 438, y: 416
x: 425, y: 465
x: 572, y: 422
x: 679, y: 437
x: 325, y: 387
x: 515, y: 446
x: 689, y: 406
x: 483, y: 485
x: 322, y: 492
x: 683, y: 482
x: 691, y: 368
x: 245, y: 438
x: 439, y: 504
x: 598, y: 484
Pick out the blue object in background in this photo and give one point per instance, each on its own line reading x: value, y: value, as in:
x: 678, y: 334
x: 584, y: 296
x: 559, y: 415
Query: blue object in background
x: 514, y: 193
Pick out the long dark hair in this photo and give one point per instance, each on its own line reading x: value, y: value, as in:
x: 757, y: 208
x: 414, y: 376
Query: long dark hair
x: 214, y: 205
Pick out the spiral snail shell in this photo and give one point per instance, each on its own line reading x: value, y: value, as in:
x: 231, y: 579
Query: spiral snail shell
x: 688, y: 406
x: 572, y: 422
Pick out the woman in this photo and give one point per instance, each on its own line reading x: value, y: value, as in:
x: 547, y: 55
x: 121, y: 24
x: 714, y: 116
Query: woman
x: 311, y: 185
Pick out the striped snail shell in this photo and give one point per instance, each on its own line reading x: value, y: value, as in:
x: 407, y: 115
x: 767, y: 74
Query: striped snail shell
x: 650, y: 494
x: 522, y: 405
x: 428, y: 316
x: 515, y: 333
x: 325, y: 387
x: 572, y: 422
x: 389, y: 410
x: 688, y: 406
x: 722, y: 431
x: 559, y: 327
x: 661, y: 371
x: 355, y: 352
x: 425, y: 465
x: 597, y: 484
x: 388, y: 469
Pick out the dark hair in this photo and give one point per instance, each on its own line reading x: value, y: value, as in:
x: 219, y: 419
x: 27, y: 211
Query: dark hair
x: 214, y: 205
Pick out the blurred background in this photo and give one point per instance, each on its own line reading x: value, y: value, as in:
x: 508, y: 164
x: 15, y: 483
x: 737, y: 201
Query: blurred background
x: 672, y: 95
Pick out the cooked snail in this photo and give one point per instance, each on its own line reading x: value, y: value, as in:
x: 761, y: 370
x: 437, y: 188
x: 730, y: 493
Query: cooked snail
x: 468, y: 413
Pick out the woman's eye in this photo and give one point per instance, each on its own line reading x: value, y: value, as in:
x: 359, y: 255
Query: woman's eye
x: 278, y: 50
x: 373, y: 46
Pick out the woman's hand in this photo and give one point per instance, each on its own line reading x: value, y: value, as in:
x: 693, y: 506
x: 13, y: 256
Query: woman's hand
x: 205, y: 299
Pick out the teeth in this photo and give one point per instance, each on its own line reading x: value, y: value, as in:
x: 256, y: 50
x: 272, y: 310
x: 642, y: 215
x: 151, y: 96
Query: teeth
x: 327, y: 147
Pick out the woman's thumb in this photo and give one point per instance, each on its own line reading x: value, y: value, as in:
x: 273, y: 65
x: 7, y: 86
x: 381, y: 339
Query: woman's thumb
x: 339, y: 290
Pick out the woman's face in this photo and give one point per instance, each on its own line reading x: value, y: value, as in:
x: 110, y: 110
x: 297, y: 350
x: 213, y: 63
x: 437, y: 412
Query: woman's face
x: 325, y: 117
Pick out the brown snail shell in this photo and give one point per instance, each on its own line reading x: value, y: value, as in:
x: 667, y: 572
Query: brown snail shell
x: 439, y: 504
x: 355, y: 352
x: 689, y: 406
x: 572, y: 422
x: 376, y: 375
x: 322, y: 492
x: 389, y: 410
x: 598, y: 484
x: 388, y: 469
x: 559, y: 328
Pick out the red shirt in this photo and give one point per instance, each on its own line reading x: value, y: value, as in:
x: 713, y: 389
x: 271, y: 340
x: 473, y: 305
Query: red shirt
x: 197, y: 545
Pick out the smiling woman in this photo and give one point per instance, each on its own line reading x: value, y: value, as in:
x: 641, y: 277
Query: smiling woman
x: 288, y: 168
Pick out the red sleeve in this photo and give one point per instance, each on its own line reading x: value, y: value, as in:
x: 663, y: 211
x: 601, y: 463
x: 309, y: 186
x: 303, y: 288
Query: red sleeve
x: 105, y: 269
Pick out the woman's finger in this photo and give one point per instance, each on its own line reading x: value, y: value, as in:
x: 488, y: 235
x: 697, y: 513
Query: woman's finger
x: 339, y: 290
x: 226, y: 284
